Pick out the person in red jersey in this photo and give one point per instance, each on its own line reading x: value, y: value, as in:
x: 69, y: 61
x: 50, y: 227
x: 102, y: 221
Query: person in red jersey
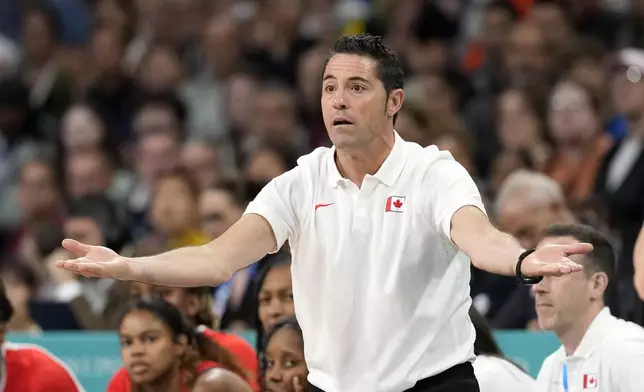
x: 163, y: 353
x: 30, y: 368
x: 196, y: 305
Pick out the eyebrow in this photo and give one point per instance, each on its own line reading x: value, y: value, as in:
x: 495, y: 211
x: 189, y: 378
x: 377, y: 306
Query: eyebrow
x: 353, y: 78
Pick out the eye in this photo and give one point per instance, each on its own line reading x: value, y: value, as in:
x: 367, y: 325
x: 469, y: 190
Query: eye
x: 289, y: 363
x: 329, y: 88
x: 357, y: 88
x: 126, y: 342
x: 270, y: 364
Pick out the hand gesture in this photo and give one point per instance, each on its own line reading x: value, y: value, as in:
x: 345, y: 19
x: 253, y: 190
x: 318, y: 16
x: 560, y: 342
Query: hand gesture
x: 297, y: 384
x: 94, y: 261
x: 552, y: 260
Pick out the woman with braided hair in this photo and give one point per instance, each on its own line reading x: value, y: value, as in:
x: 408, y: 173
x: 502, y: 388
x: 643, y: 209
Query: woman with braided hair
x: 162, y: 352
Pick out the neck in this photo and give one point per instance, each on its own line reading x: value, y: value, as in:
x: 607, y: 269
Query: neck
x: 356, y: 163
x: 575, y: 150
x: 572, y: 336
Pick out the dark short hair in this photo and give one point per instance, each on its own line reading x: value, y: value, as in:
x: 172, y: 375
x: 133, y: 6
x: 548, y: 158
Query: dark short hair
x: 389, y: 69
x: 601, y: 259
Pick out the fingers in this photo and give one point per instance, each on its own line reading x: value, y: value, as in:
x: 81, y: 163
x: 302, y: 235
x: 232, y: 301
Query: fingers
x: 76, y: 247
x: 564, y: 267
x: 577, y: 249
x: 297, y: 385
x: 82, y: 266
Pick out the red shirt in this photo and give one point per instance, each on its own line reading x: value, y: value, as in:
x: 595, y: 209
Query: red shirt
x: 120, y: 382
x: 30, y: 368
x: 241, y: 350
x: 237, y: 346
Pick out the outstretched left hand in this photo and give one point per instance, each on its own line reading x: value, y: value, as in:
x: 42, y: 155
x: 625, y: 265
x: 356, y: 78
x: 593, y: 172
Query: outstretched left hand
x: 552, y: 260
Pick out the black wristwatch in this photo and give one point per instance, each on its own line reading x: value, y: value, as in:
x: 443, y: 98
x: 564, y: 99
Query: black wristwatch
x: 527, y: 280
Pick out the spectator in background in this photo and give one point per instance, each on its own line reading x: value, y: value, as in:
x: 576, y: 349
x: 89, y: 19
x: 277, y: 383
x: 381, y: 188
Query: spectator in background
x: 620, y: 181
x: 494, y: 371
x: 284, y: 367
x: 31, y: 368
x: 596, y: 346
x: 263, y: 164
x: 201, y: 159
x: 161, y: 112
x: 174, y: 211
x: 525, y: 205
x: 576, y: 128
x: 20, y: 282
x: 179, y: 358
x: 160, y: 69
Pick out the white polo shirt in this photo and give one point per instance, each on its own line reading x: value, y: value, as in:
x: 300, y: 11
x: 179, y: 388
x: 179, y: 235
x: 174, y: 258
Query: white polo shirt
x: 610, y: 358
x: 381, y: 292
x: 496, y: 374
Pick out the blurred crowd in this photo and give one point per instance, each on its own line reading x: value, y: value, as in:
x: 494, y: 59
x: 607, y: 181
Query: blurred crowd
x: 146, y: 125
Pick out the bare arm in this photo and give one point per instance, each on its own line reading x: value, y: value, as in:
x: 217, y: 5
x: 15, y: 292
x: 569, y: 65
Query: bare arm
x: 638, y: 264
x: 494, y: 251
x: 488, y: 248
x: 247, y: 241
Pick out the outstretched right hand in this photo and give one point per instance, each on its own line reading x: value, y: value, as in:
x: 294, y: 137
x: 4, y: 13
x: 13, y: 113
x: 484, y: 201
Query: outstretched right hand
x: 94, y: 261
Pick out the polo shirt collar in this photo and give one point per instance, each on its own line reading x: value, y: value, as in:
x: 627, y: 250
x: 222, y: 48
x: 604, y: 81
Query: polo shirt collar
x: 388, y: 172
x: 595, y: 333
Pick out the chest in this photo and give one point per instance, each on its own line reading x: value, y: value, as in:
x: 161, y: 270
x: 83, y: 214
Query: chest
x: 581, y: 375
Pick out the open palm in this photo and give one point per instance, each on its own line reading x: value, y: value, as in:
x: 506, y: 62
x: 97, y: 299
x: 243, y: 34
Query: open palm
x: 553, y: 260
x: 94, y: 261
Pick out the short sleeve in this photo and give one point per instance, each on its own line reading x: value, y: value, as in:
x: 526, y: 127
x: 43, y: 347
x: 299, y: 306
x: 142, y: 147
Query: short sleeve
x: 120, y: 382
x: 451, y: 187
x: 277, y: 202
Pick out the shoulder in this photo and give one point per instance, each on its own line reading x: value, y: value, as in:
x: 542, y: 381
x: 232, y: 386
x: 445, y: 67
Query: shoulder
x: 551, y: 363
x: 42, y: 365
x: 497, y: 373
x: 120, y: 381
x: 219, y: 379
x: 625, y: 340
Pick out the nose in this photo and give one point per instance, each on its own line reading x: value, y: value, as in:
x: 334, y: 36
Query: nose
x: 275, y: 309
x: 137, y: 349
x: 274, y: 374
x: 338, y: 100
x: 540, y: 287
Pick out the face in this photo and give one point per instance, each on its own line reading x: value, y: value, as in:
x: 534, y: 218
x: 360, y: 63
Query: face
x: 218, y: 211
x: 496, y: 26
x: 181, y: 298
x: 156, y: 119
x: 285, y: 362
x: 525, y: 54
x: 276, y: 297
x: 355, y: 106
x: 87, y: 174
x: 264, y: 165
x: 37, y: 36
x: 590, y: 73
x: 571, y: 116
x: 627, y: 90
x: 161, y: 70
x: 84, y: 230
x: 147, y: 348
x: 518, y: 123
x: 173, y: 207
x: 202, y: 161
x: 526, y: 221
x: 275, y: 117
x: 553, y: 23
x: 439, y: 96
x: 106, y: 50
x: 157, y: 156
x: 242, y: 93
x: 564, y: 300
x: 220, y: 45
x: 37, y: 190
x: 81, y: 129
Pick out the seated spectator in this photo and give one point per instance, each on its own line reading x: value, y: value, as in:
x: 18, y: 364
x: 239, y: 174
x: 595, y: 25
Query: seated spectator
x: 159, y: 348
x: 284, y: 366
x: 31, y: 368
x: 20, y: 282
x: 597, y: 348
x: 493, y: 370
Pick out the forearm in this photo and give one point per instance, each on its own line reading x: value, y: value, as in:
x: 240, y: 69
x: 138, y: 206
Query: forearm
x: 497, y: 252
x: 185, y: 267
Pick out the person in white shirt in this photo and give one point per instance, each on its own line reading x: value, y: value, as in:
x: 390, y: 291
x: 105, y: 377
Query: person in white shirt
x: 495, y: 372
x: 599, y: 352
x: 381, y: 232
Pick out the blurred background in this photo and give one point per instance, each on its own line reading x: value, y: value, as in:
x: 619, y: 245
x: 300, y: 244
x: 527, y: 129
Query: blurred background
x: 146, y: 125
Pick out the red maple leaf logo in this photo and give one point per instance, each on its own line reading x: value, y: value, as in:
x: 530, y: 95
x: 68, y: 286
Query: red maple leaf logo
x: 398, y: 203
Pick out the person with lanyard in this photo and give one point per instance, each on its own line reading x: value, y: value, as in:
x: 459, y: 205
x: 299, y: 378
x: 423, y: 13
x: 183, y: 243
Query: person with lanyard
x: 599, y: 352
x: 382, y: 232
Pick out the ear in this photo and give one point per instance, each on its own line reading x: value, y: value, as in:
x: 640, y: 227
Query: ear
x: 181, y: 346
x: 598, y: 285
x: 395, y: 101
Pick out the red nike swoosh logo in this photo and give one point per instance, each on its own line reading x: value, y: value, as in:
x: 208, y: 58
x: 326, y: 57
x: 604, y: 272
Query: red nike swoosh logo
x: 323, y: 205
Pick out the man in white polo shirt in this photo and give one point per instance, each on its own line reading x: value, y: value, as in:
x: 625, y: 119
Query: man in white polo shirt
x: 599, y: 352
x: 380, y: 231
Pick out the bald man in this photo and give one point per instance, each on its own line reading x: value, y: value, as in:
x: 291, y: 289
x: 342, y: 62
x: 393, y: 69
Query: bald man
x: 526, y: 204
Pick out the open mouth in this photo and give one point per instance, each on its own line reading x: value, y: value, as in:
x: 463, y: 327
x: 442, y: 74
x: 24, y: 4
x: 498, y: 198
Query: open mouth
x: 341, y: 121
